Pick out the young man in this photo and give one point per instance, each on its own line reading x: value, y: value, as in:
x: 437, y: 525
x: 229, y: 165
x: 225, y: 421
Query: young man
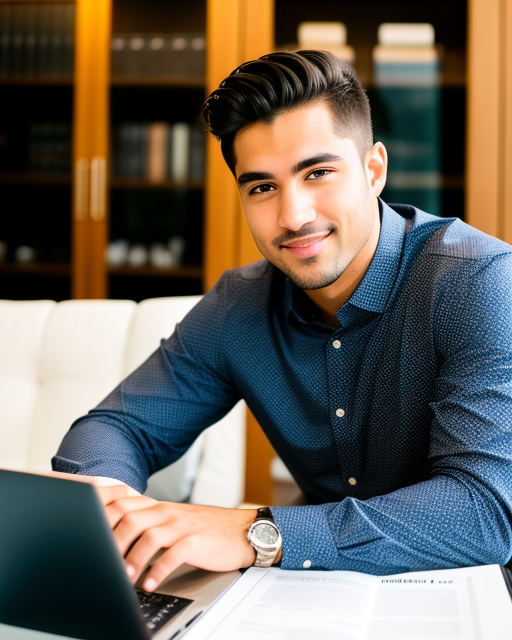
x: 373, y: 344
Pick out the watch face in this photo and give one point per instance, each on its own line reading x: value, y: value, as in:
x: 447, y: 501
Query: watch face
x: 266, y: 534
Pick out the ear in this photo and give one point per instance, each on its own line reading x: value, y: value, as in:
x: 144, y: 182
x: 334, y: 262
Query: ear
x: 376, y: 167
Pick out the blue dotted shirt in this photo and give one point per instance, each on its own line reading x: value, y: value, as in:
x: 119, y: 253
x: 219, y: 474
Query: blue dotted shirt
x: 397, y: 425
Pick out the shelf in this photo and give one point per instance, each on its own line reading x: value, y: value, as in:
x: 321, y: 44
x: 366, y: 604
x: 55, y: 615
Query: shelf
x: 36, y: 268
x: 179, y: 82
x: 143, y: 183
x: 187, y: 271
x: 37, y: 81
x: 22, y: 177
x: 445, y: 82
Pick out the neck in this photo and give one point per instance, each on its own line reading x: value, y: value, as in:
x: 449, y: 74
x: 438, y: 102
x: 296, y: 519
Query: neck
x: 331, y: 298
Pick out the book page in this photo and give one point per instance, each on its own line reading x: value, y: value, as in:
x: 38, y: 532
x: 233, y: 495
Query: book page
x: 464, y: 604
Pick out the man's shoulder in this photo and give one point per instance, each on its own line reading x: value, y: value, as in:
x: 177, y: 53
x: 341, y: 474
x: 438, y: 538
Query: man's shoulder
x: 450, y: 237
x: 245, y: 289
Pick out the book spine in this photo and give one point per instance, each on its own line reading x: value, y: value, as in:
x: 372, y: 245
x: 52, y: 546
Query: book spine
x: 43, y: 40
x: 180, y: 149
x: 16, y: 41
x: 68, y: 48
x: 57, y: 40
x: 158, y: 143
x: 197, y: 153
x: 29, y: 40
x: 118, y: 52
x: 5, y: 38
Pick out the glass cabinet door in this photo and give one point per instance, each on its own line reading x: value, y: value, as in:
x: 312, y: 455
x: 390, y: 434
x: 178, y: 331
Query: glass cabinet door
x: 157, y: 150
x: 36, y: 106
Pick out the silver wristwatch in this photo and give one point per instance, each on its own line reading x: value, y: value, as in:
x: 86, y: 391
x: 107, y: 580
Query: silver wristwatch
x: 265, y: 538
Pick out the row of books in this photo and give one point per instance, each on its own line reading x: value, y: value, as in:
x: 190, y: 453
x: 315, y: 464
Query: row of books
x: 159, y: 151
x: 406, y: 102
x: 174, y: 54
x: 36, y: 39
x: 406, y: 53
x: 49, y: 147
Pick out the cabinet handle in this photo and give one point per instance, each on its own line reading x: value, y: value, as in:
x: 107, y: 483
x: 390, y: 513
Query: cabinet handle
x: 98, y: 188
x: 81, y: 189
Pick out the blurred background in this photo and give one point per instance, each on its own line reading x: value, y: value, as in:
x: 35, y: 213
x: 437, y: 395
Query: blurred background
x: 109, y: 189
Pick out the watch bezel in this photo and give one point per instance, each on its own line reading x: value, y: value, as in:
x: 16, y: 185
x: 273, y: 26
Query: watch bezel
x: 260, y: 544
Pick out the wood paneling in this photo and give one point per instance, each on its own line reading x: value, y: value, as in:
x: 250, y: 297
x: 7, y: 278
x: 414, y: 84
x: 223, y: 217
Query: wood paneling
x: 489, y: 136
x: 90, y: 146
x: 507, y: 155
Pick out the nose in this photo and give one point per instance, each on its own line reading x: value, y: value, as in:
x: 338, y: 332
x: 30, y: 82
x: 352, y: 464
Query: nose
x: 295, y: 209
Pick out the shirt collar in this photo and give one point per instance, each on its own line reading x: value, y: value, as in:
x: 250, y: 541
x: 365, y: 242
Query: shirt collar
x: 373, y: 291
x: 375, y: 288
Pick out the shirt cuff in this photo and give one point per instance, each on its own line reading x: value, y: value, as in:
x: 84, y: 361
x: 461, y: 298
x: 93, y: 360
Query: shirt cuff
x: 307, y: 539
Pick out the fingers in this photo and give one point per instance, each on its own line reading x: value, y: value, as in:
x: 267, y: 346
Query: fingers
x: 118, y: 508
x: 135, y: 524
x: 147, y: 546
x: 110, y: 493
x: 177, y: 555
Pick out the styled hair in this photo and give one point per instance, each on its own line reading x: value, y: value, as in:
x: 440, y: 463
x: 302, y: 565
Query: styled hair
x: 261, y: 90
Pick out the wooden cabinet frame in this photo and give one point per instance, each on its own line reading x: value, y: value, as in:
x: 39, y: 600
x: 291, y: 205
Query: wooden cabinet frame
x: 91, y: 119
x: 489, y: 123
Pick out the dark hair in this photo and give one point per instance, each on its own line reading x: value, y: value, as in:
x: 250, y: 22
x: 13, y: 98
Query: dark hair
x: 262, y: 89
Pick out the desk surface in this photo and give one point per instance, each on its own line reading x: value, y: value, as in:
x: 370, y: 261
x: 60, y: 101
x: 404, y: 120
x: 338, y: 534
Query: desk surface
x: 17, y: 633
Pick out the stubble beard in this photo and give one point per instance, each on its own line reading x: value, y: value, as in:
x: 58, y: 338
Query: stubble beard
x: 340, y: 263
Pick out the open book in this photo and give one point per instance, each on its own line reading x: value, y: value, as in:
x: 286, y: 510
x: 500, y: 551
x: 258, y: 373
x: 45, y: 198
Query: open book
x: 468, y: 604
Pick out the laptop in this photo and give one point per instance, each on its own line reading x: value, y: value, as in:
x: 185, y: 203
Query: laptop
x: 61, y: 571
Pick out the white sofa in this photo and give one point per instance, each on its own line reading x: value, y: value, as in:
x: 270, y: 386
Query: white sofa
x: 58, y: 360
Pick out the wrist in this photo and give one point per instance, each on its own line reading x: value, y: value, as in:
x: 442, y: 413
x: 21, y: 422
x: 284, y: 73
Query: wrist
x: 265, y: 538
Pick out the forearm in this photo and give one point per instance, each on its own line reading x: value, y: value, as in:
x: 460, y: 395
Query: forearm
x: 445, y: 522
x: 102, y: 447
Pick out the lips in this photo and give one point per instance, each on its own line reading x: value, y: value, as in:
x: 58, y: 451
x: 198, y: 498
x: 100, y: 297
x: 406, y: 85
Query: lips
x: 308, y: 246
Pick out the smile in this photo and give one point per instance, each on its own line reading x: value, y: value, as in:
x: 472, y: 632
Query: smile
x: 306, y: 247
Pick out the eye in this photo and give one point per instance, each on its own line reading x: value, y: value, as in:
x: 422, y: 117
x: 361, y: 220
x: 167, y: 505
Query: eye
x: 262, y: 188
x: 318, y: 173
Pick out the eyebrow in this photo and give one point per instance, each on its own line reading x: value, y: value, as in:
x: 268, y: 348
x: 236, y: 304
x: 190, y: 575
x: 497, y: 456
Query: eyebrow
x: 252, y: 176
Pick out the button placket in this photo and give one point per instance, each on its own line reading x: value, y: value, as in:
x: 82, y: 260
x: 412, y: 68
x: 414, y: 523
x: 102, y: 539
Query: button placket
x: 338, y: 362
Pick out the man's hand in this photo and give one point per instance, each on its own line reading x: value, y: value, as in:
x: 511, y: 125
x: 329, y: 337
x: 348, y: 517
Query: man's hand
x: 206, y: 537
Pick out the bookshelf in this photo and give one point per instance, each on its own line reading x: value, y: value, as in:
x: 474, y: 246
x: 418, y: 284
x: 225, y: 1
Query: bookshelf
x: 157, y: 87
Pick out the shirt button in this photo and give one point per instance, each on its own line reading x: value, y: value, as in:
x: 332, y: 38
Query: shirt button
x: 340, y: 413
x: 336, y: 344
x: 352, y: 481
x: 306, y: 564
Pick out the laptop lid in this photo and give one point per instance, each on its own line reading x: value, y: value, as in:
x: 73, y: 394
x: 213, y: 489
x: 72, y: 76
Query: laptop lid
x: 60, y: 570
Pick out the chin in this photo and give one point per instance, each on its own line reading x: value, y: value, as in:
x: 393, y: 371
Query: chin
x: 312, y: 282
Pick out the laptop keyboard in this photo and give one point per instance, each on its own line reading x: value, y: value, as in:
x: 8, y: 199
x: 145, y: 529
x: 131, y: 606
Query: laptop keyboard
x: 159, y: 608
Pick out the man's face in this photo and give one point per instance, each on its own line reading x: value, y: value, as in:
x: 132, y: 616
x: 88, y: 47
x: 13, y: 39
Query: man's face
x: 306, y: 195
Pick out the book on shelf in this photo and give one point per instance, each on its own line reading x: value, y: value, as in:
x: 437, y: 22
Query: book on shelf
x: 158, y: 157
x: 179, y: 151
x: 159, y: 151
x: 36, y: 39
x: 406, y: 100
x: 327, y: 36
x: 159, y: 54
x: 49, y: 147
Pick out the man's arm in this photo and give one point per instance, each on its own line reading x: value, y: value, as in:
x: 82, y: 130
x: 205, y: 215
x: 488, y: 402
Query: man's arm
x: 156, y: 413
